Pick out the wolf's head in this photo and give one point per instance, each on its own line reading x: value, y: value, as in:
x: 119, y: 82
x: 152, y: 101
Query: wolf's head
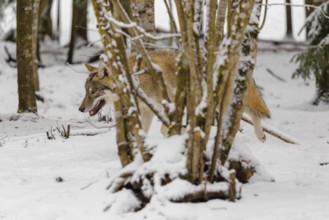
x: 99, y: 90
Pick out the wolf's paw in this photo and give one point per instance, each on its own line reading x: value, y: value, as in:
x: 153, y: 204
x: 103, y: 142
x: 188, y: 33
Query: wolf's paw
x: 262, y: 138
x: 260, y: 135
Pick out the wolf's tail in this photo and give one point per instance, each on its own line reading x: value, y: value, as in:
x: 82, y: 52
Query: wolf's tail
x: 255, y: 102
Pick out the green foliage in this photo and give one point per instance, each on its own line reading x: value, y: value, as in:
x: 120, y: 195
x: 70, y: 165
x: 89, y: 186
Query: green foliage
x: 315, y: 59
x: 312, y: 61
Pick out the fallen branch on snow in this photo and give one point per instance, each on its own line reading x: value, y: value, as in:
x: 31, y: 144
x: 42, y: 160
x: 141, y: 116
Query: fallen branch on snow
x: 273, y: 131
x: 275, y: 76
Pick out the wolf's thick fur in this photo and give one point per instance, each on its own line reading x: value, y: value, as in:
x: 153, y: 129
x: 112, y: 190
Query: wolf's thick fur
x: 98, y: 92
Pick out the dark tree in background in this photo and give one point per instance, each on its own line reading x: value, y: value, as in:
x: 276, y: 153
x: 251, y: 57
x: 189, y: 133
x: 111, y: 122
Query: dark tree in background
x: 79, y: 26
x: 289, y: 30
x: 46, y: 23
x: 25, y: 58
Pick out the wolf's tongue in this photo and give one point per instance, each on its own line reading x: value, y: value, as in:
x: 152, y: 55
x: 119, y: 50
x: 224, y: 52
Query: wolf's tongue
x: 96, y: 108
x: 94, y: 111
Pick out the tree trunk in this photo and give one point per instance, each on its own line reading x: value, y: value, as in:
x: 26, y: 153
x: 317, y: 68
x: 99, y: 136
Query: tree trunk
x: 289, y: 27
x: 225, y: 88
x: 322, y: 87
x: 78, y: 27
x: 244, y: 71
x: 46, y: 24
x: 58, y: 22
x: 129, y: 129
x: 81, y: 25
x: 25, y: 59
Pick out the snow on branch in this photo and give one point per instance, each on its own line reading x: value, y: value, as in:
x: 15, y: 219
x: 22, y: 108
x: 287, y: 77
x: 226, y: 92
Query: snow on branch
x: 324, y: 41
x: 315, y: 19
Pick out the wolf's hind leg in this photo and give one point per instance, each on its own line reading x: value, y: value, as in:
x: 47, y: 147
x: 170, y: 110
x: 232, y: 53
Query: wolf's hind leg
x: 147, y: 116
x: 258, y: 127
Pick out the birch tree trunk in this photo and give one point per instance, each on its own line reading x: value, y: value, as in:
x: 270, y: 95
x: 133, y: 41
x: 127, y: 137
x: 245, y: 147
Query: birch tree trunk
x: 25, y: 58
x: 248, y: 56
x: 130, y: 134
x: 239, y: 13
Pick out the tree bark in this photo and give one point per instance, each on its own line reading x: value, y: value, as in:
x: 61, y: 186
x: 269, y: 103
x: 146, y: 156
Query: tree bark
x: 25, y: 59
x: 221, y: 17
x: 322, y: 87
x: 244, y: 72
x: 35, y: 41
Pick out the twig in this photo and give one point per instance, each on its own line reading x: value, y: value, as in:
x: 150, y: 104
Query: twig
x: 299, y: 5
x: 142, y: 32
x: 10, y: 59
x: 50, y: 134
x: 264, y: 17
x: 88, y: 185
x: 75, y: 70
x: 89, y: 132
x: 277, y: 134
x: 275, y: 76
x: 64, y: 132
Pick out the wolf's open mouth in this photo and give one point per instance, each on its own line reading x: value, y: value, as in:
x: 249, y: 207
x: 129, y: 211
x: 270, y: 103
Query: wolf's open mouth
x: 97, y: 107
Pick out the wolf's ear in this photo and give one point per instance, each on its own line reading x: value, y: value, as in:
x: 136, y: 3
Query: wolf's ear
x: 91, y: 68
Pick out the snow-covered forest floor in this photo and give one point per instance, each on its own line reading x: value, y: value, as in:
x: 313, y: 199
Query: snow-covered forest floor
x: 66, y: 178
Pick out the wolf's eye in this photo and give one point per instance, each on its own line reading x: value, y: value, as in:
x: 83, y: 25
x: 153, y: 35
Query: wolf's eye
x: 92, y: 91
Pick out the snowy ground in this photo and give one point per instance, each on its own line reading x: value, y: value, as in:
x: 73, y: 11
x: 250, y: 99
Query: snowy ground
x: 66, y: 178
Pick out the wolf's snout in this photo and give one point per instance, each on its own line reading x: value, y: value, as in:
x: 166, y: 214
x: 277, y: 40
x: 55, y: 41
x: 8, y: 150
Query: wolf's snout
x: 82, y: 109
